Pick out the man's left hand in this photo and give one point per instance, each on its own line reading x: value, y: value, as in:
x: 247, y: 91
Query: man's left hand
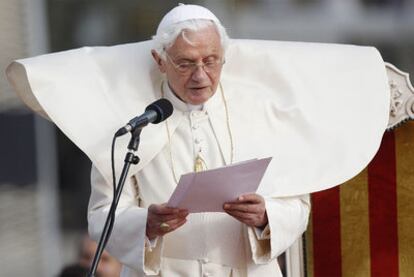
x: 249, y: 209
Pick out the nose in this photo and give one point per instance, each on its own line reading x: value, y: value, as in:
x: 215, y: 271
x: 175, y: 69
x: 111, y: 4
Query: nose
x: 199, y: 74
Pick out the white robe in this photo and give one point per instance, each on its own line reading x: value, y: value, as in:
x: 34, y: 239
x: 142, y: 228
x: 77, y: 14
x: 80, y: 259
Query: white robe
x: 319, y: 109
x: 209, y: 244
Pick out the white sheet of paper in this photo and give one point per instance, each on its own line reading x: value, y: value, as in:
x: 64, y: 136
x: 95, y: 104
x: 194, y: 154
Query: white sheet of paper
x: 207, y: 191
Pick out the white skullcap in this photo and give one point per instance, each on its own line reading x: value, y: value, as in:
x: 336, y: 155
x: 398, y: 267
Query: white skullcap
x: 185, y: 12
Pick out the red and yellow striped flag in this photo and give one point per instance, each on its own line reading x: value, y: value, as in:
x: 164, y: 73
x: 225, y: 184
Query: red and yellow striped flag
x: 366, y: 227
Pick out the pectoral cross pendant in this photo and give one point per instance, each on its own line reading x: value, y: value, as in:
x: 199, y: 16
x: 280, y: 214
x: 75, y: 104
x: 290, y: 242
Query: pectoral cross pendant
x: 199, y: 163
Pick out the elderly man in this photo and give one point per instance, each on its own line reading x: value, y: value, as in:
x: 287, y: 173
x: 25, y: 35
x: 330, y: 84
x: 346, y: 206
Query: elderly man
x: 151, y: 238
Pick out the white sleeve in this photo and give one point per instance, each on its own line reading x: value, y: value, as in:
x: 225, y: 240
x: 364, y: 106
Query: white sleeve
x: 287, y: 220
x: 127, y: 242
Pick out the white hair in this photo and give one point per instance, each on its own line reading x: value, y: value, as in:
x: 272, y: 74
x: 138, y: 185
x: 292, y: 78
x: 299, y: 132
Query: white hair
x: 166, y: 37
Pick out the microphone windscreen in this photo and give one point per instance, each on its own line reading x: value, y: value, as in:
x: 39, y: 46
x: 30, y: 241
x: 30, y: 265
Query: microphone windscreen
x: 163, y: 108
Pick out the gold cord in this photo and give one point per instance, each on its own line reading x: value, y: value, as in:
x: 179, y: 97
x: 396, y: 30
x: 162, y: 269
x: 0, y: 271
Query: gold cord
x: 228, y: 124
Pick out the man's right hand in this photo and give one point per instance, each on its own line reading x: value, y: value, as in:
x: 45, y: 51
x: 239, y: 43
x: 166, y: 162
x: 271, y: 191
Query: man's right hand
x: 170, y: 218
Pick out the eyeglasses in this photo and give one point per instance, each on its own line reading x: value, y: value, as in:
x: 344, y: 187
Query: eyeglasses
x: 210, y: 65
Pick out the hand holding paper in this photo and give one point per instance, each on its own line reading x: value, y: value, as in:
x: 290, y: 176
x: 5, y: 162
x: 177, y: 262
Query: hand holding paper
x: 249, y: 209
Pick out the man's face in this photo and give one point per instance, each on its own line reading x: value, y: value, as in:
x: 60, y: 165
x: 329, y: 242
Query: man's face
x: 198, y: 85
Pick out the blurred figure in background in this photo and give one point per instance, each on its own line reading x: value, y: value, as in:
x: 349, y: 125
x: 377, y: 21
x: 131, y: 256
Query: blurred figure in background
x: 108, y: 265
x: 75, y: 270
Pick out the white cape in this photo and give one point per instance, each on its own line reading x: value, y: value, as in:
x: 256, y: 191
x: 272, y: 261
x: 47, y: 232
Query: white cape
x: 319, y: 109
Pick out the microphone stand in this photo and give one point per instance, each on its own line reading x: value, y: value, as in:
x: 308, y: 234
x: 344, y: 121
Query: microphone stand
x: 130, y: 158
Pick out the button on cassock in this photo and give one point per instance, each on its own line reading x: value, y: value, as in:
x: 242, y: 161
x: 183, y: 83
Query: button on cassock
x: 204, y: 260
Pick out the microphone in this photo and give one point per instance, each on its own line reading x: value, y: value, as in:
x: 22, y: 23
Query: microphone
x: 156, y: 112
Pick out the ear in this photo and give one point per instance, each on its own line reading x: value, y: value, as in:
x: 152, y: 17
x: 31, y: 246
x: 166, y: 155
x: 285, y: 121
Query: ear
x: 159, y: 61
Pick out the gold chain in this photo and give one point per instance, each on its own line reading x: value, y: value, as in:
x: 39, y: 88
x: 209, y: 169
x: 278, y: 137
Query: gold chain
x: 228, y: 124
x: 198, y: 166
